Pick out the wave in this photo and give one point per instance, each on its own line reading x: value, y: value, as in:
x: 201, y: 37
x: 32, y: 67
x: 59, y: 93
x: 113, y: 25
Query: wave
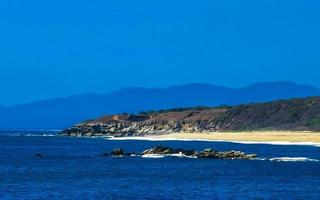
x: 293, y: 159
x: 180, y: 155
x: 35, y: 134
x: 279, y: 143
x: 153, y: 156
x: 209, y: 140
x: 276, y: 159
x: 141, y: 138
x: 45, y: 135
x: 29, y: 134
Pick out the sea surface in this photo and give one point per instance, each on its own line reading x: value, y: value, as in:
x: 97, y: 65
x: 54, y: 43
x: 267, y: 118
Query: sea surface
x: 72, y: 168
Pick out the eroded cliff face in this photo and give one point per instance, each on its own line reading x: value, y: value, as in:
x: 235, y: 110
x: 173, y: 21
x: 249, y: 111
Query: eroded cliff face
x: 154, y: 124
x: 295, y: 114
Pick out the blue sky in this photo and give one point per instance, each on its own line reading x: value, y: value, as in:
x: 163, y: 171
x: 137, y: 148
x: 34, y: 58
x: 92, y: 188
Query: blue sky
x: 59, y: 48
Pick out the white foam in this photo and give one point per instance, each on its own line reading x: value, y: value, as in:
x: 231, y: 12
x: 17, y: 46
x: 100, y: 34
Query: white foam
x: 280, y: 143
x: 212, y: 140
x: 141, y: 138
x: 276, y: 159
x: 261, y: 159
x: 179, y: 155
x: 39, y: 135
x: 152, y: 156
x: 293, y: 159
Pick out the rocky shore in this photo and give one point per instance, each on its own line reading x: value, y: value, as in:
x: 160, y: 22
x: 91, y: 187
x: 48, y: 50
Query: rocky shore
x: 289, y: 115
x: 167, y: 151
x: 145, y: 124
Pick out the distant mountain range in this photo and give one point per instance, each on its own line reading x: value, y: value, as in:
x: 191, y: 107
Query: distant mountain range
x: 60, y: 113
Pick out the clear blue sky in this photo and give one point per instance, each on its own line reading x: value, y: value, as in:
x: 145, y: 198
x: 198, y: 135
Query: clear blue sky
x: 63, y: 47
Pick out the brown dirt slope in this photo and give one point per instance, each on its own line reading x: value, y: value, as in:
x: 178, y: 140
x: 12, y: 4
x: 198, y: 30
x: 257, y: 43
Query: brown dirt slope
x: 294, y: 114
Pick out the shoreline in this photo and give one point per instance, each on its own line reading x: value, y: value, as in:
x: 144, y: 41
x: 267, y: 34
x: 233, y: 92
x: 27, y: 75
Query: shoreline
x: 253, y: 137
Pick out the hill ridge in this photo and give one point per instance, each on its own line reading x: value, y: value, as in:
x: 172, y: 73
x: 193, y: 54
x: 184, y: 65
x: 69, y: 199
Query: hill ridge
x: 299, y: 114
x: 60, y: 113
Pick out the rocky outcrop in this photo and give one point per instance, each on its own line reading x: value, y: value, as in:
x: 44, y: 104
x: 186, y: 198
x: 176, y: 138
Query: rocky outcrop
x: 167, y: 151
x: 209, y: 153
x: 206, y: 153
x: 148, y: 124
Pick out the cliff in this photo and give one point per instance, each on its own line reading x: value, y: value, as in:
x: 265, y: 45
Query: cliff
x: 293, y: 114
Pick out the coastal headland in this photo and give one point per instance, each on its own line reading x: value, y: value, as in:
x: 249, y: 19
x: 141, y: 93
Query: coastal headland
x: 293, y: 120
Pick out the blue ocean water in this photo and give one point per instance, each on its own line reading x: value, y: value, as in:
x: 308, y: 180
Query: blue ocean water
x: 72, y: 168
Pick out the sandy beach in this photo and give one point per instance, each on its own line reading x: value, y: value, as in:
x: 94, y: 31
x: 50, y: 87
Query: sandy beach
x: 254, y: 136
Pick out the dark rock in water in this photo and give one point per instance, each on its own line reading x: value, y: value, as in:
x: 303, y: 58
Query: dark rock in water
x: 167, y: 150
x: 208, y: 150
x: 159, y: 150
x: 39, y: 155
x: 225, y: 155
x: 117, y: 152
x: 206, y: 153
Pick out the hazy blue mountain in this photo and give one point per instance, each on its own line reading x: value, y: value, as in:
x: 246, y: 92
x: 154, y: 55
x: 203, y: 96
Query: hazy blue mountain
x: 60, y: 113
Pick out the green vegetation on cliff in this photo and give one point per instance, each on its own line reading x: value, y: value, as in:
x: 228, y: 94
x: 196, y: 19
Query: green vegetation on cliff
x: 294, y: 114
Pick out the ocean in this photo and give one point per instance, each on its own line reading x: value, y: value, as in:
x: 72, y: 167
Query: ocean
x: 73, y: 168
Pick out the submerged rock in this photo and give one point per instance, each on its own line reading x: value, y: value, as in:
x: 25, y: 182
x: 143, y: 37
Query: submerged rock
x: 39, y: 155
x: 117, y: 152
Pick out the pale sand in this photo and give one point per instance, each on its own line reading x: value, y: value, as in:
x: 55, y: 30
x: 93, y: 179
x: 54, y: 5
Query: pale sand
x: 254, y: 136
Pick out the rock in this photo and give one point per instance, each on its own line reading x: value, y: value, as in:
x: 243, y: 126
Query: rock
x: 117, y: 152
x: 188, y: 152
x: 225, y: 155
x: 166, y: 150
x: 206, y: 153
x: 208, y: 150
x: 39, y: 155
x: 159, y: 150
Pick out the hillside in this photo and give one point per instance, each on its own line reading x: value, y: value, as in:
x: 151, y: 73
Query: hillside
x: 61, y: 113
x: 294, y: 114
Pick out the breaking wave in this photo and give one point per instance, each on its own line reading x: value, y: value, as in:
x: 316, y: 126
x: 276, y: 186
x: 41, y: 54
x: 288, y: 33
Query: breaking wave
x: 212, y: 140
x: 153, y: 156
x: 293, y: 159
x: 180, y: 155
